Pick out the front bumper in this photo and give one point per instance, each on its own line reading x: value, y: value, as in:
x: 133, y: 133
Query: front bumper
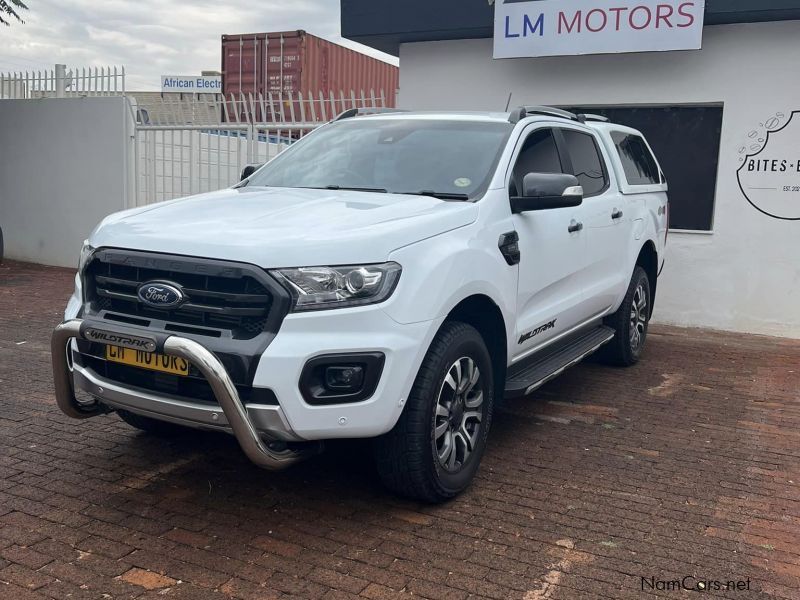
x: 291, y: 419
x: 306, y: 336
x: 232, y: 413
x: 269, y: 421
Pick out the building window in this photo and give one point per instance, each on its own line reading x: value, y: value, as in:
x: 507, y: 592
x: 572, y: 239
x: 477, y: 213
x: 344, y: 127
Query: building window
x: 686, y: 141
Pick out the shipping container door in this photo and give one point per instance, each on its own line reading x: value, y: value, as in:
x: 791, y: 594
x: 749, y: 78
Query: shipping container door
x: 242, y: 69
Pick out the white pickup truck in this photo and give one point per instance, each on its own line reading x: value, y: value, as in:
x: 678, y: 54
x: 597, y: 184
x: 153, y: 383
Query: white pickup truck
x: 389, y: 276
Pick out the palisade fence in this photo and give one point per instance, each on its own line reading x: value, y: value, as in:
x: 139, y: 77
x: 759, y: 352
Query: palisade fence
x: 186, y: 144
x: 61, y: 82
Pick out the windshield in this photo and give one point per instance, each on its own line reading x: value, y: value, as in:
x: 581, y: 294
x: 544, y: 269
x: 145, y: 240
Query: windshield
x: 454, y: 158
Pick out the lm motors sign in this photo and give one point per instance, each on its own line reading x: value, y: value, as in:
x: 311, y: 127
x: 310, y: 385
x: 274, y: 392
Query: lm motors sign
x: 568, y: 27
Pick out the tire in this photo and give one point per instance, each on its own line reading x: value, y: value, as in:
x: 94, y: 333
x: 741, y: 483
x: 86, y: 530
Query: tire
x: 148, y: 425
x: 625, y: 349
x: 441, y: 414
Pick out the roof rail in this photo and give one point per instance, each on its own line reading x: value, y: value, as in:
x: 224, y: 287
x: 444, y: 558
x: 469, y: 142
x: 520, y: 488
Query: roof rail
x: 591, y: 117
x: 525, y: 111
x: 355, y: 112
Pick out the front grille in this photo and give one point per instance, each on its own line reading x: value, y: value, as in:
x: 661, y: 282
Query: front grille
x: 221, y: 301
x: 234, y: 310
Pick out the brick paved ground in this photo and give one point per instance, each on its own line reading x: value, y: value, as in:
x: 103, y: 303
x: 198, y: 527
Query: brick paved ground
x: 688, y: 464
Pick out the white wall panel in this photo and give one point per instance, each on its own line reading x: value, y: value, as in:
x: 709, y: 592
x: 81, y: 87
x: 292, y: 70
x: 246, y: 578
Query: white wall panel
x: 745, y: 276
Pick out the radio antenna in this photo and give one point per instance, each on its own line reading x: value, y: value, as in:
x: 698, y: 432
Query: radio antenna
x: 509, y: 101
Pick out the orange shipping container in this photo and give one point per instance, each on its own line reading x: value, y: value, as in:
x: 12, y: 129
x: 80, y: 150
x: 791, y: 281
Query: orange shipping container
x: 296, y: 61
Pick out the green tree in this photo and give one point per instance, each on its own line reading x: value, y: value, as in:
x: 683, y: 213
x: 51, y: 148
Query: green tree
x: 9, y: 8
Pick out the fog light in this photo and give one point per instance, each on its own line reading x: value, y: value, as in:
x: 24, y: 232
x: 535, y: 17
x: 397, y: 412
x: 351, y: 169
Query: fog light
x: 331, y: 379
x: 344, y: 378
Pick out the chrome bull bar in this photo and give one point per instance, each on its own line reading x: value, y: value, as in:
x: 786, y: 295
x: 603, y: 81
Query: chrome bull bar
x: 212, y: 369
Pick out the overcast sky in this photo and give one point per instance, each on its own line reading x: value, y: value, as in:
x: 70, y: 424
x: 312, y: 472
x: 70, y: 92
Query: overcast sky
x: 153, y: 37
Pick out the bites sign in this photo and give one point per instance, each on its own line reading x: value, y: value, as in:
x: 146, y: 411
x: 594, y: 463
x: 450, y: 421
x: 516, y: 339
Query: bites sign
x: 570, y: 27
x: 769, y: 166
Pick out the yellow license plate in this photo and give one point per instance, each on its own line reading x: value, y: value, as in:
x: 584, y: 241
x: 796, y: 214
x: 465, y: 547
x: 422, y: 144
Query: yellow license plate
x: 147, y: 360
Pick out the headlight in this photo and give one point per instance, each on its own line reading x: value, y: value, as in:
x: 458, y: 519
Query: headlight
x: 86, y: 254
x: 316, y: 288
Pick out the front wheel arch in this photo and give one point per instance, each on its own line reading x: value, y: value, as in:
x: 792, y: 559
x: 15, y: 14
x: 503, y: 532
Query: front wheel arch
x: 483, y: 313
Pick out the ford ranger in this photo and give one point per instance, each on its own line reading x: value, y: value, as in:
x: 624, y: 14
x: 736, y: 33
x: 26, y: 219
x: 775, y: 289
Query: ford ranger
x: 389, y: 276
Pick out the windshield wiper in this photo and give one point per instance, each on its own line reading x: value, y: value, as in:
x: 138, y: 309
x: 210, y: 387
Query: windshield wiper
x: 440, y: 195
x: 353, y: 188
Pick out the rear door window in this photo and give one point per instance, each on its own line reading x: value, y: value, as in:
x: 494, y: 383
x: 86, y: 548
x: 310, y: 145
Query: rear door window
x: 637, y: 161
x: 587, y: 164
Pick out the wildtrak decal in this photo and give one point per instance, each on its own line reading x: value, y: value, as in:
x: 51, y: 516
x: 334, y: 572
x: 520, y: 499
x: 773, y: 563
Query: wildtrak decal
x: 119, y: 339
x: 531, y: 334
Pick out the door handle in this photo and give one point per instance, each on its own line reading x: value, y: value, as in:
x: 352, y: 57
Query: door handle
x: 574, y: 226
x: 617, y: 214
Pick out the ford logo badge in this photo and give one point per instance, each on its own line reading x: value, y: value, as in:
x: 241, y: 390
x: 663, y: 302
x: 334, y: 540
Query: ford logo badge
x: 159, y: 294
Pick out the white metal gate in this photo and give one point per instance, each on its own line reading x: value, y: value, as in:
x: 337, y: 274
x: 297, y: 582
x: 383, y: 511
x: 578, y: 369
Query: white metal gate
x: 188, y: 144
x: 195, y: 145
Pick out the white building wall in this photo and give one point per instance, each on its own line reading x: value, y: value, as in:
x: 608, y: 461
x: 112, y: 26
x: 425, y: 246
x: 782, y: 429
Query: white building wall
x: 64, y: 167
x: 745, y: 276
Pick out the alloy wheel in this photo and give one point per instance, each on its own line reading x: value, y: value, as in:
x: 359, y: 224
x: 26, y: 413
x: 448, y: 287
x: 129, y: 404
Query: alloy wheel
x: 638, y: 317
x: 458, y: 416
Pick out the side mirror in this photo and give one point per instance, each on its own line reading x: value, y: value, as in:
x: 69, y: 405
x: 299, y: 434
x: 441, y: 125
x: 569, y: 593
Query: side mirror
x: 249, y: 170
x: 543, y: 191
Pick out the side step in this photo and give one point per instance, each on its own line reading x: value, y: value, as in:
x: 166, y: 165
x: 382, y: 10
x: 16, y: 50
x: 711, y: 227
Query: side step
x: 543, y: 366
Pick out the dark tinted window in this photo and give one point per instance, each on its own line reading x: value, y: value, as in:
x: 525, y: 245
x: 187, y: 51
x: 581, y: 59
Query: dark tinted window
x: 637, y: 161
x: 539, y: 154
x: 587, y: 165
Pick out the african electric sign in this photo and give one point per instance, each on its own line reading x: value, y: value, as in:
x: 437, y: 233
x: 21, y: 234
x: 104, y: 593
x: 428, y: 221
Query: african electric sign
x: 569, y: 27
